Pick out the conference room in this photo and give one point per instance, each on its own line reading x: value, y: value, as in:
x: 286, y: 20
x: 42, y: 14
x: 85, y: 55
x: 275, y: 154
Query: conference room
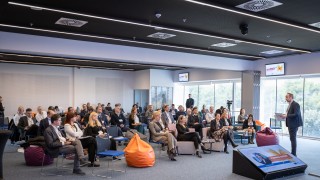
x: 259, y: 56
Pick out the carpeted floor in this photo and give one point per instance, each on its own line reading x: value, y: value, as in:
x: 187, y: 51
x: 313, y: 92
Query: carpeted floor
x: 217, y: 165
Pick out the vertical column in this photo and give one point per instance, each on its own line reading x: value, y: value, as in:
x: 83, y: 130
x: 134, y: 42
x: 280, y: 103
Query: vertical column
x: 250, y: 94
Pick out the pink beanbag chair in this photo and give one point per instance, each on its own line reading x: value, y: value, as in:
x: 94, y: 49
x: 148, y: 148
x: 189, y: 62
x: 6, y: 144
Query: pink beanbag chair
x: 267, y: 137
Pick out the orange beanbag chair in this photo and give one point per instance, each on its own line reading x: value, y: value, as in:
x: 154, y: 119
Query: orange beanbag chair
x: 138, y: 153
x: 259, y: 123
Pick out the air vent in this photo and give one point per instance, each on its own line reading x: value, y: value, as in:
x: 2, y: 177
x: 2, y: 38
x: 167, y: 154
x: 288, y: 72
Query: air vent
x: 223, y: 44
x: 317, y: 25
x: 160, y: 35
x: 71, y: 22
x: 272, y: 52
x: 258, y: 5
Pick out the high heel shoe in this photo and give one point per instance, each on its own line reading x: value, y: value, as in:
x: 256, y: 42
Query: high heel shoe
x: 198, y: 154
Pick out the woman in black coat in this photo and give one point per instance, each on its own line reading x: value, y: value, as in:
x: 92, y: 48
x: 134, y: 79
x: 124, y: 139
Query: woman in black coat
x: 185, y: 135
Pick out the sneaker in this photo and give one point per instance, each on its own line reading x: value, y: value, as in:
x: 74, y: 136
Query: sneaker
x: 95, y: 164
x: 78, y: 172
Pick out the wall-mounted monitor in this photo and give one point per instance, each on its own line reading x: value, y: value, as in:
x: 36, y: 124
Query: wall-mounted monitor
x: 275, y: 69
x: 183, y: 77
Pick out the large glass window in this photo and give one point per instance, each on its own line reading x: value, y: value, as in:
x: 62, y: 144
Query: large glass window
x: 311, y: 107
x: 206, y: 95
x: 237, y: 97
x: 306, y: 91
x: 267, y: 99
x: 223, y: 92
x: 294, y: 86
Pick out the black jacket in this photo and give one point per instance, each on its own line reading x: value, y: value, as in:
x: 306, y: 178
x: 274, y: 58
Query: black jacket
x: 245, y: 125
x: 115, y: 119
x: 189, y: 103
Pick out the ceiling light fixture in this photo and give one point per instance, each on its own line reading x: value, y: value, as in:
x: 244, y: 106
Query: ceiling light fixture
x: 223, y: 44
x: 130, y: 41
x: 154, y: 26
x: 251, y: 15
x: 272, y: 52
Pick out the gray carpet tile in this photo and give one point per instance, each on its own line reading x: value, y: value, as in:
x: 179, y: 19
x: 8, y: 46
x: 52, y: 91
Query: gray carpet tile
x: 217, y: 165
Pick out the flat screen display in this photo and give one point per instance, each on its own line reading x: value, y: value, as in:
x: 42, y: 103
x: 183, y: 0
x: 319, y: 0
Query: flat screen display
x: 275, y: 69
x: 271, y: 158
x: 183, y: 77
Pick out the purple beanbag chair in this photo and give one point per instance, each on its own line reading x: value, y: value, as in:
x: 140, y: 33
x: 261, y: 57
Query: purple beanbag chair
x: 267, y: 137
x: 34, y: 155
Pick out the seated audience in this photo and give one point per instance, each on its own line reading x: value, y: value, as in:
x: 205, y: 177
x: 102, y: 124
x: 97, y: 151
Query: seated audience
x: 73, y: 132
x: 118, y: 119
x: 44, y: 123
x: 40, y: 114
x: 185, y: 135
x: 134, y: 122
x: 242, y: 115
x: 249, y: 125
x: 14, y: 128
x: 195, y: 121
x: 174, y: 111
x: 210, y: 115
x: 180, y: 111
x: 103, y: 118
x: 167, y: 117
x: 159, y: 134
x: 149, y: 112
x: 188, y: 112
x: 27, y: 125
x: 219, y: 131
x: 109, y: 108
x: 85, y: 119
x: 94, y: 128
x: 84, y: 110
x: 56, y: 143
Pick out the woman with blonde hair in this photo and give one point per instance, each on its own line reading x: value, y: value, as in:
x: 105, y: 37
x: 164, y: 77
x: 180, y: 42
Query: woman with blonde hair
x: 94, y: 128
x: 160, y: 134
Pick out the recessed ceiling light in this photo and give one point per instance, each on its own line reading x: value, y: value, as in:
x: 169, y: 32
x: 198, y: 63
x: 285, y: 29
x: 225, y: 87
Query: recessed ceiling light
x: 223, y: 44
x: 71, y: 22
x: 181, y: 30
x: 289, y: 41
x: 258, y: 5
x: 317, y: 24
x: 272, y: 52
x: 160, y: 35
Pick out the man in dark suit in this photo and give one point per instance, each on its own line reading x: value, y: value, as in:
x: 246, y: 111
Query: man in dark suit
x: 190, y: 102
x: 44, y: 123
x: 56, y: 143
x: 27, y: 125
x: 102, y: 117
x: 293, y: 121
x: 117, y: 118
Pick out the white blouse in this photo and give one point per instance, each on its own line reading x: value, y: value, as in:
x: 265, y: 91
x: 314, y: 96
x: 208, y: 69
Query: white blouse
x: 72, y: 132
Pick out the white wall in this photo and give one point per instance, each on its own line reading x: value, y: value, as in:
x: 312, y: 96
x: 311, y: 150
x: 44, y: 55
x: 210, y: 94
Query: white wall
x: 207, y: 74
x: 33, y: 85
x: 161, y: 78
x: 294, y: 65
